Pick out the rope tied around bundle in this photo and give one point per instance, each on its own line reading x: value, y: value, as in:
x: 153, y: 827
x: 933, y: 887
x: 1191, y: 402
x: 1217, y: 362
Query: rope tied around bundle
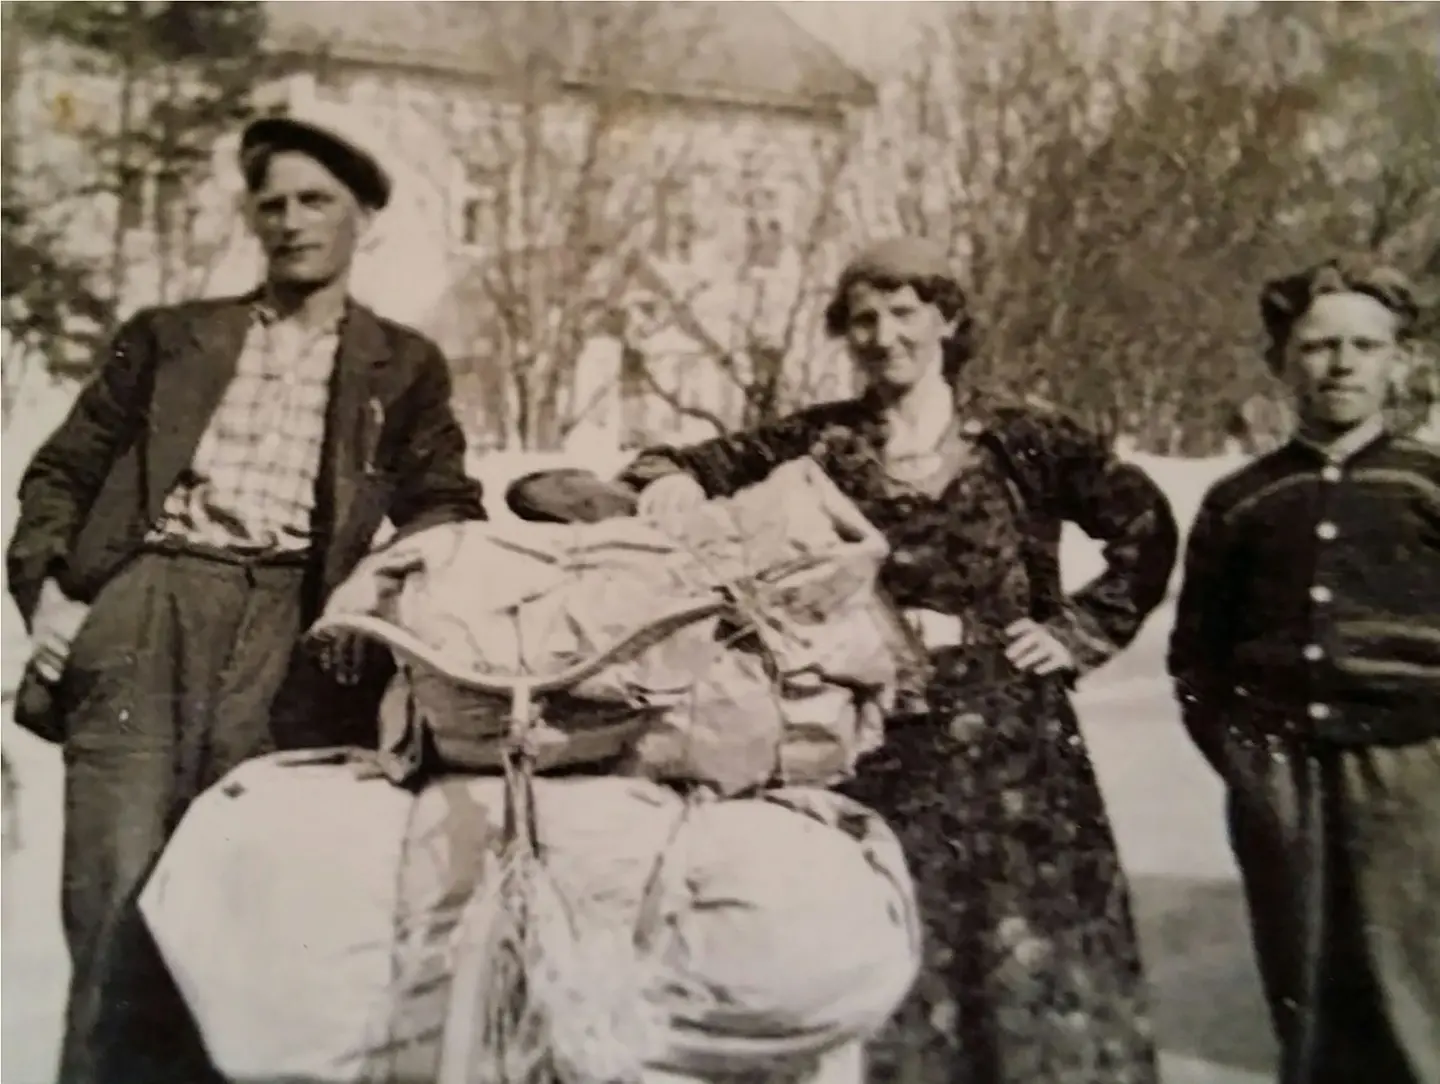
x: 553, y: 996
x: 548, y: 986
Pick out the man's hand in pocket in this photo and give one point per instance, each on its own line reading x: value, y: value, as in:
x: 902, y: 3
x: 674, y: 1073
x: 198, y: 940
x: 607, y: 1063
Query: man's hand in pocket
x: 53, y: 630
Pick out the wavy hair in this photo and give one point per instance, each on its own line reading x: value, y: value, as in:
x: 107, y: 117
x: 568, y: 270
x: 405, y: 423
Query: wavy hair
x: 1284, y: 301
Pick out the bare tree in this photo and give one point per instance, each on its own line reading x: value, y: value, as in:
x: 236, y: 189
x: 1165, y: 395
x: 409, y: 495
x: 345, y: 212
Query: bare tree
x: 989, y: 145
x: 113, y: 114
x: 560, y: 158
x: 1118, y: 209
x: 754, y: 320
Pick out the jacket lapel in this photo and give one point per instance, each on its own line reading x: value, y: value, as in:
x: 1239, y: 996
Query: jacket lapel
x: 356, y: 415
x: 188, y: 387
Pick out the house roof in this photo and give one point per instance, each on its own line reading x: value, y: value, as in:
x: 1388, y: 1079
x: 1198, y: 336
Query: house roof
x: 739, y: 53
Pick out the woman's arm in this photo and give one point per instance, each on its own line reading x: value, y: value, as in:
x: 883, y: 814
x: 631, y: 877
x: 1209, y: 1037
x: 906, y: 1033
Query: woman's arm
x: 1119, y: 505
x: 729, y: 463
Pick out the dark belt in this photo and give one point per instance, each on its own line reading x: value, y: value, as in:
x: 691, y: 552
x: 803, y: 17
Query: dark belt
x: 269, y: 565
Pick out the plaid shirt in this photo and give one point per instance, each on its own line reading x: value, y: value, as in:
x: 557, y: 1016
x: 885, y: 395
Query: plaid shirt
x: 251, y: 485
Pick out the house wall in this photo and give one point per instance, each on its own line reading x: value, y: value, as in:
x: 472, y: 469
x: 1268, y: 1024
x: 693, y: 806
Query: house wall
x: 683, y: 183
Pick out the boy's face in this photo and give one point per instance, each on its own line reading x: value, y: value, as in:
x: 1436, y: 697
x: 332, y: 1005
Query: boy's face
x: 1341, y: 360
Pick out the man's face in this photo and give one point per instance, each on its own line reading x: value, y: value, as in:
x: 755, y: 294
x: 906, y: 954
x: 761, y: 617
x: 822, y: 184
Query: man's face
x: 896, y: 339
x: 307, y: 221
x: 1341, y: 360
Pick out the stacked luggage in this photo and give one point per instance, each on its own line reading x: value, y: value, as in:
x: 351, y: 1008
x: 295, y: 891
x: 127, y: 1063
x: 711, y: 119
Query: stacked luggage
x: 598, y: 844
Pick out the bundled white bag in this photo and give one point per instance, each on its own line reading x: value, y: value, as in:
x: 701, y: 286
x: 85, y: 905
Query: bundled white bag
x: 330, y: 929
x: 274, y: 908
x: 745, y: 645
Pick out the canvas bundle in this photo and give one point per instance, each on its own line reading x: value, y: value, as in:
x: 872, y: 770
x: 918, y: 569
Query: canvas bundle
x: 658, y: 936
x: 745, y: 645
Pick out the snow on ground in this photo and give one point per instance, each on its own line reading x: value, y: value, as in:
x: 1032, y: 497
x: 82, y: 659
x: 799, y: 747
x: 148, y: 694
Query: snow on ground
x: 1165, y: 804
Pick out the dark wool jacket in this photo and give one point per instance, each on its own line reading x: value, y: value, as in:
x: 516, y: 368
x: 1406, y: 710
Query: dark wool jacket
x: 1311, y: 600
x: 393, y: 448
x: 1059, y: 473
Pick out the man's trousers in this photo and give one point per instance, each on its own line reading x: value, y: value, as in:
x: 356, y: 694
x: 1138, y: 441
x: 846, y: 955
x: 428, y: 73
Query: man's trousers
x: 170, y: 684
x: 1339, y: 852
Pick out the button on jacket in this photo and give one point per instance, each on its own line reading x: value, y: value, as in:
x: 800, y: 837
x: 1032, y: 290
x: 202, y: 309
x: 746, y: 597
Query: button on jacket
x: 1311, y: 602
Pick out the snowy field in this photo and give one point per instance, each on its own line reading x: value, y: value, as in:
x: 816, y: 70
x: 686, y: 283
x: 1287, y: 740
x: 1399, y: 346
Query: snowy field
x: 1165, y: 804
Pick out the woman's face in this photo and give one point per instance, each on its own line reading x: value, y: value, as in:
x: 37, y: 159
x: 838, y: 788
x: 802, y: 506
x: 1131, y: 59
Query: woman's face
x: 896, y: 339
x: 1342, y: 358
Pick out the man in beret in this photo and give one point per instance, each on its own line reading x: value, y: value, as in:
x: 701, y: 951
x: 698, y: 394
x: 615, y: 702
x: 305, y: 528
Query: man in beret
x: 1306, y: 657
x: 225, y: 470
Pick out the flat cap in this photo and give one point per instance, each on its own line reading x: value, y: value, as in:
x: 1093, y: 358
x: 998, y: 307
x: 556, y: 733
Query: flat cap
x: 330, y: 140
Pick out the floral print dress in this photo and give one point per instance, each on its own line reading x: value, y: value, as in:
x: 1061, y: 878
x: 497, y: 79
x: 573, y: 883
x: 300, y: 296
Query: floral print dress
x: 1032, y: 972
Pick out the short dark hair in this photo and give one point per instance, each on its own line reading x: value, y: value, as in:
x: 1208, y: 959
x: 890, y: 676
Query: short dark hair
x: 1285, y: 300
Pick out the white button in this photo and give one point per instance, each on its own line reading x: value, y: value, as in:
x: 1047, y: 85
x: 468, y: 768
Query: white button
x: 1314, y: 652
x: 1331, y: 473
x: 1319, y: 711
x: 1320, y: 593
x: 1327, y: 531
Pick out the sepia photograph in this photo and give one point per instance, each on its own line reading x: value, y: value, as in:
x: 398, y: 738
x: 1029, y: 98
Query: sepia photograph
x: 802, y: 542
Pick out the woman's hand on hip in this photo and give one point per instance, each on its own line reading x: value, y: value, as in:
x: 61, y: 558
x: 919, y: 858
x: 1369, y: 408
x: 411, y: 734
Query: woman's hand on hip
x: 934, y: 629
x: 1036, y: 650
x: 670, y: 496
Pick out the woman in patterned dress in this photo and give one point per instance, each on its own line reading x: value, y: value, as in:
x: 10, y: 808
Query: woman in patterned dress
x: 1032, y: 972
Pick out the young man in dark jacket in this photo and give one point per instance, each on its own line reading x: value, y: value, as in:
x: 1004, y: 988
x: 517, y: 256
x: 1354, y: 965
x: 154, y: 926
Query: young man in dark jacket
x: 1306, y: 655
x: 225, y: 470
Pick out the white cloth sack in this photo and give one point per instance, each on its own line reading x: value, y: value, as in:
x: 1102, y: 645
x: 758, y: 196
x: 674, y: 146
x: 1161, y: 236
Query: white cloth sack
x: 275, y: 907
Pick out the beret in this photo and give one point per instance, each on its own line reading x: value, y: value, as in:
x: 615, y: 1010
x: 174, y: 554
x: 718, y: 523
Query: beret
x: 898, y: 259
x: 887, y: 264
x: 355, y: 167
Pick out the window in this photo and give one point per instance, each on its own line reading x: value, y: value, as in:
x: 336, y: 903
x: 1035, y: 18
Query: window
x: 480, y: 210
x: 676, y: 227
x: 477, y: 219
x: 169, y: 203
x: 764, y: 243
x: 634, y: 395
x: 764, y: 234
x: 130, y: 193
